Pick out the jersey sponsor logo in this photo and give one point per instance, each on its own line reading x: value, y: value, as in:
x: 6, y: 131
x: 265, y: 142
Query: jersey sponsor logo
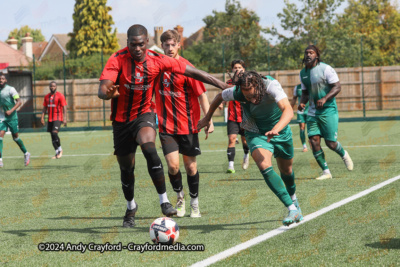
x: 51, y: 105
x: 169, y: 93
x: 137, y: 87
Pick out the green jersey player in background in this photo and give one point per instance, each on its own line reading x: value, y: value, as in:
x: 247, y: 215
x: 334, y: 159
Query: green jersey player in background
x: 9, y: 102
x: 266, y: 115
x: 320, y: 85
x: 301, y: 115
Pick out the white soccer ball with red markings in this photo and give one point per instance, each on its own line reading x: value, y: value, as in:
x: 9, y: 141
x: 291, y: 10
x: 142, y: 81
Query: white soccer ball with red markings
x: 164, y: 231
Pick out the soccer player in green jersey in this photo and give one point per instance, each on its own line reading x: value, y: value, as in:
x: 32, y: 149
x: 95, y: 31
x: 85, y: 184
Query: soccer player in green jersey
x: 9, y: 102
x: 301, y: 115
x: 266, y: 115
x: 320, y: 85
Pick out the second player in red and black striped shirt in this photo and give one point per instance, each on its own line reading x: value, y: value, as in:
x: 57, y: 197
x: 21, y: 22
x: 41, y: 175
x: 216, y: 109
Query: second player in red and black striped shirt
x: 233, y: 126
x: 56, y: 107
x: 128, y: 79
x: 178, y: 111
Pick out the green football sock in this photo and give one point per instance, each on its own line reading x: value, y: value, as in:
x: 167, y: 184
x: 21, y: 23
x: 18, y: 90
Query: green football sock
x: 1, y: 147
x: 289, y: 182
x: 320, y: 157
x: 339, y: 149
x: 275, y: 183
x: 20, y: 144
x: 303, y: 137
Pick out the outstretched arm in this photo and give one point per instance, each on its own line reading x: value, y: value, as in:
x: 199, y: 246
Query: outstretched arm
x: 206, y: 121
x: 204, y: 77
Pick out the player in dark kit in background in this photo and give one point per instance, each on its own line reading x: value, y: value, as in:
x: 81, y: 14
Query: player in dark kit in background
x: 56, y: 107
x: 233, y: 126
x: 128, y: 78
x: 178, y: 110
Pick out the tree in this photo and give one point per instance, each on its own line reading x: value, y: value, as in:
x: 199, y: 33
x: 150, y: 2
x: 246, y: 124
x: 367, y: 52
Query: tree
x: 20, y: 33
x: 92, y: 31
x: 236, y: 33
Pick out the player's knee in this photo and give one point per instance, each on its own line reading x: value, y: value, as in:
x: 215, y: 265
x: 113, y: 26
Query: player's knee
x: 150, y: 153
x: 287, y: 170
x: 330, y: 144
x: 16, y: 139
x: 173, y: 169
x: 191, y: 169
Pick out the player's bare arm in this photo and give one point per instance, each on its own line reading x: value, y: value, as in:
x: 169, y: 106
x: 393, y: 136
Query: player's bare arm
x: 204, y: 77
x: 108, y: 90
x: 17, y: 105
x: 65, y: 115
x: 43, y: 113
x: 286, y: 117
x: 206, y: 121
x: 205, y: 106
x: 336, y: 88
x: 303, y: 100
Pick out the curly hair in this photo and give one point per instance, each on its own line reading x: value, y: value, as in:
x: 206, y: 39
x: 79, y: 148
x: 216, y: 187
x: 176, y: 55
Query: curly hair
x: 250, y: 79
x: 316, y: 50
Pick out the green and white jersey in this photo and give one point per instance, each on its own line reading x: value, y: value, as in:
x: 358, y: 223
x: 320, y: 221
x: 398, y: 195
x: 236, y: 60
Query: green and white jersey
x: 316, y: 81
x: 297, y: 93
x: 263, y: 117
x: 8, y: 94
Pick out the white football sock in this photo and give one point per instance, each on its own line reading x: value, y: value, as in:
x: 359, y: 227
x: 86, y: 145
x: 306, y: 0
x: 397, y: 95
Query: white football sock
x: 131, y: 204
x: 163, y: 198
x: 292, y: 207
x: 304, y: 146
x: 59, y: 149
x: 194, y: 201
x: 327, y: 171
x: 293, y: 197
x: 231, y: 164
x: 180, y: 194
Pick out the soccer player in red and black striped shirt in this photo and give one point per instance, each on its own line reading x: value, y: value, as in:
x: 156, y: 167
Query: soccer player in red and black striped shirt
x: 178, y: 111
x: 56, y: 107
x: 128, y: 79
x: 233, y: 126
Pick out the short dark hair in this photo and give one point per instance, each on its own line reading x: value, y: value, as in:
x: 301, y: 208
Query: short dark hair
x: 137, y: 30
x: 170, y: 34
x: 238, y: 61
x: 4, y: 74
x: 53, y: 82
x: 316, y: 50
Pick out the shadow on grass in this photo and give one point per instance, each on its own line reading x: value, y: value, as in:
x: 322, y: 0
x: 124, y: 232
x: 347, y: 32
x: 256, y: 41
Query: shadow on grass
x: 393, y: 243
x: 204, y: 228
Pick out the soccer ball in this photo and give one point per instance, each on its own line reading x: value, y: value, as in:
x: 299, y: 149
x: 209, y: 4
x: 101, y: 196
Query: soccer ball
x: 164, y: 231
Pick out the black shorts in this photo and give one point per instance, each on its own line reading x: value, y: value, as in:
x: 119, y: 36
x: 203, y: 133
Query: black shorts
x: 54, y: 126
x: 187, y: 144
x: 124, y: 133
x: 234, y: 128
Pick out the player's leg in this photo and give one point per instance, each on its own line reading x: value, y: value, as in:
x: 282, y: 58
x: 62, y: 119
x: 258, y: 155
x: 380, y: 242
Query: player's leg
x: 314, y: 135
x: 246, y: 151
x: 13, y: 125
x: 302, y: 127
x: 170, y: 147
x: 329, y: 130
x: 2, y: 132
x: 146, y: 137
x: 56, y: 139
x: 127, y: 169
x: 231, y: 152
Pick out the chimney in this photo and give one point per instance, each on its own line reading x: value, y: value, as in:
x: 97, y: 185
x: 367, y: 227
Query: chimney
x: 157, y: 34
x: 179, y: 29
x: 13, y: 43
x: 27, y: 45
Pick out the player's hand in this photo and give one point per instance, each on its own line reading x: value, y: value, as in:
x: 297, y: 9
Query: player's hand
x: 42, y: 121
x: 209, y: 129
x: 112, y: 92
x: 8, y: 112
x: 203, y: 123
x: 65, y: 123
x: 301, y: 106
x: 321, y: 102
x: 271, y: 134
x: 221, y: 106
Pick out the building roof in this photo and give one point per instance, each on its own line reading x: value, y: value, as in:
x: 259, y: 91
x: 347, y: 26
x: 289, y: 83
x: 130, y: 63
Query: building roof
x: 195, y: 37
x: 37, y: 48
x: 14, y: 58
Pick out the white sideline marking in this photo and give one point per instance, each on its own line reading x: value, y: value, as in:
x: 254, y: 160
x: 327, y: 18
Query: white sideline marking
x: 282, y: 229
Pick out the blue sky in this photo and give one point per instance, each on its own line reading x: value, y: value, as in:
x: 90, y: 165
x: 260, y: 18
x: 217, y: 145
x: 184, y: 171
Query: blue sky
x: 55, y: 16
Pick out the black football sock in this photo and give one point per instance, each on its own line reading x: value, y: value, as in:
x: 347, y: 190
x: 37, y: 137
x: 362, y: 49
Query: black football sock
x: 154, y: 166
x: 231, y: 153
x: 193, y: 183
x: 176, y: 181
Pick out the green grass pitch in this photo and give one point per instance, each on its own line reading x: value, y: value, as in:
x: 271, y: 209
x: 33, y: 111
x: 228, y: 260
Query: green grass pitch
x: 78, y: 198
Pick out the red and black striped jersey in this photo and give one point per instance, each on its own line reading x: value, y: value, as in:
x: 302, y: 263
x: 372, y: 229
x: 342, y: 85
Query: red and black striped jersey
x: 54, y: 104
x: 136, y: 81
x: 234, y: 109
x: 178, y: 108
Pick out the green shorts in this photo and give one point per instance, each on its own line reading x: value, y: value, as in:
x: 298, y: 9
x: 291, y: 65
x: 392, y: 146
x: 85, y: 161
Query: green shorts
x: 323, y: 125
x: 12, y: 125
x: 281, y: 146
x: 301, y: 118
